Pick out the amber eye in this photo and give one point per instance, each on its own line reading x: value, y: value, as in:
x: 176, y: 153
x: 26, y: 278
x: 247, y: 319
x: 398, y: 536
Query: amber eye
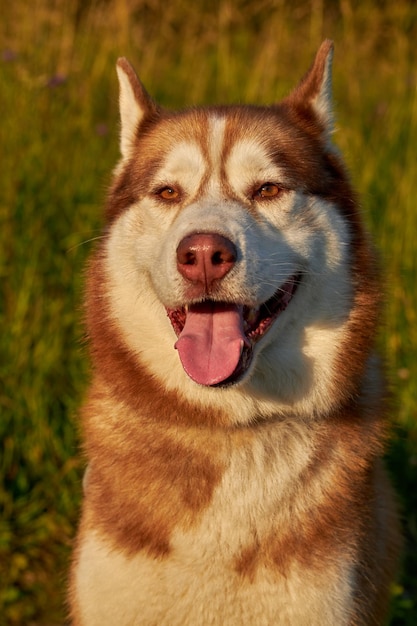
x: 267, y: 190
x: 168, y: 193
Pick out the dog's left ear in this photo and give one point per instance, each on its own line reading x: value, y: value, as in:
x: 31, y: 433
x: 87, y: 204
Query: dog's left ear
x: 315, y: 89
x: 135, y: 105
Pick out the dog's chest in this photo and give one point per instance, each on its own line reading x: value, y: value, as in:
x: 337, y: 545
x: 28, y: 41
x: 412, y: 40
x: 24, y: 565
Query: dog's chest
x: 222, y: 569
x: 183, y: 591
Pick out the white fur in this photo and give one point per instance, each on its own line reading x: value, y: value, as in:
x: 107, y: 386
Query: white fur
x: 248, y: 163
x: 215, y: 141
x: 170, y: 594
x: 131, y: 114
x: 184, y: 164
x: 322, y: 103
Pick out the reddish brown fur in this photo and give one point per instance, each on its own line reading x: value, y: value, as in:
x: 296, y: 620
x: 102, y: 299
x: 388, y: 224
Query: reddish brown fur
x: 147, y: 481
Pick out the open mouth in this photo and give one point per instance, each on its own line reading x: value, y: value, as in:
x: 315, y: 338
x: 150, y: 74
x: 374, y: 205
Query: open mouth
x: 216, y: 339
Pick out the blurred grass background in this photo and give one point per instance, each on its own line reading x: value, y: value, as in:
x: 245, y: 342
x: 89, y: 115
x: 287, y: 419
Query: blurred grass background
x: 58, y: 138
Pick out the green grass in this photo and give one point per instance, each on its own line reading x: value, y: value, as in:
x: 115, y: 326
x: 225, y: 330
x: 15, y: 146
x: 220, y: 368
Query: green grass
x: 58, y: 95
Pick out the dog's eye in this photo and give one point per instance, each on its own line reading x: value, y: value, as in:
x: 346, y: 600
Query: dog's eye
x: 168, y: 193
x: 267, y: 190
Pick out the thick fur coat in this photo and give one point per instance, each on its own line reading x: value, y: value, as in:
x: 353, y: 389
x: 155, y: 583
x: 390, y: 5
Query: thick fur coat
x: 235, y: 422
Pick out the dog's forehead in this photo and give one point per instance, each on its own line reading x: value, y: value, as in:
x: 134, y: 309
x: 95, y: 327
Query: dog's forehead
x: 226, y: 139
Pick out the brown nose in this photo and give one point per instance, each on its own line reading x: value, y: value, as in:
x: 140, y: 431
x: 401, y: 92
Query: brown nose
x: 203, y: 258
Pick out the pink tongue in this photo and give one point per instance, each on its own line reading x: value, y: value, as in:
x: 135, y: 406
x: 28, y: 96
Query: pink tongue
x: 211, y: 342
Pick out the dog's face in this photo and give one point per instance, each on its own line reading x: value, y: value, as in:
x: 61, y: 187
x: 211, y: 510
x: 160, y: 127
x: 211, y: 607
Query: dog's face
x: 230, y: 241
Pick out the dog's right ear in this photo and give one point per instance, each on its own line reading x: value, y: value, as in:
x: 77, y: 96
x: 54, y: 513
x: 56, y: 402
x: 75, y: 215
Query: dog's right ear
x: 135, y: 105
x: 315, y: 89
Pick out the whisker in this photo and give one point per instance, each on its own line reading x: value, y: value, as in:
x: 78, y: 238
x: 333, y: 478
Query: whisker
x: 82, y: 243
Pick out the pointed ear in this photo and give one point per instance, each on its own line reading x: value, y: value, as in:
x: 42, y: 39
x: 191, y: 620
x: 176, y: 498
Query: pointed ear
x: 315, y: 89
x: 135, y: 105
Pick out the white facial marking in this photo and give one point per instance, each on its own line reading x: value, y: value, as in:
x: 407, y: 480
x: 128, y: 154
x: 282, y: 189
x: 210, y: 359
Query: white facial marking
x: 216, y: 131
x: 248, y: 163
x: 184, y: 165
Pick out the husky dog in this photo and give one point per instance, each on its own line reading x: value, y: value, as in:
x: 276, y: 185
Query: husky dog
x: 235, y: 422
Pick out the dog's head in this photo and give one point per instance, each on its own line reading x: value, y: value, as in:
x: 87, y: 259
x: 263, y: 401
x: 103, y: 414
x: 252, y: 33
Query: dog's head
x: 235, y: 238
